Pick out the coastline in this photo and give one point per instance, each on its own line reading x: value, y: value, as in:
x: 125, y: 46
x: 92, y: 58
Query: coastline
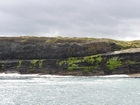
x: 69, y: 56
x: 136, y: 75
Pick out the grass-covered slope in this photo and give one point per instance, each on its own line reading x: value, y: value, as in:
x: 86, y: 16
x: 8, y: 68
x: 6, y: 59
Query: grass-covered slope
x: 26, y: 39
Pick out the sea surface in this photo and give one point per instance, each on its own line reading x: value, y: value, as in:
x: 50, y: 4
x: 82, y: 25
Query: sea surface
x: 16, y: 89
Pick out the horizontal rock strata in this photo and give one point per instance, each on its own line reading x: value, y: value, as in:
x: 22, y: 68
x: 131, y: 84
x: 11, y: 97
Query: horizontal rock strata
x: 75, y: 58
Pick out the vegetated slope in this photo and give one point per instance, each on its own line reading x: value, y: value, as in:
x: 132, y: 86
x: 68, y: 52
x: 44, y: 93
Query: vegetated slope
x: 76, y: 56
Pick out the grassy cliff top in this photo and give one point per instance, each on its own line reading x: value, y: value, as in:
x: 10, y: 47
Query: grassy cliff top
x: 59, y: 39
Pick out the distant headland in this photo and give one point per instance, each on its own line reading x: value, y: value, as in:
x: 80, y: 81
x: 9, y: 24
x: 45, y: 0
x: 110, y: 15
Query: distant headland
x: 69, y: 56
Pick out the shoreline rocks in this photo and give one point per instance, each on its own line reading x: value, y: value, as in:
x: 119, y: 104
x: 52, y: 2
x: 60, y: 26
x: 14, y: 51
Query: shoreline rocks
x: 75, y: 58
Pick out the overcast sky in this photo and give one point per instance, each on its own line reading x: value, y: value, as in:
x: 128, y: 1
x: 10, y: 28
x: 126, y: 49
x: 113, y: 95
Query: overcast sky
x: 116, y: 19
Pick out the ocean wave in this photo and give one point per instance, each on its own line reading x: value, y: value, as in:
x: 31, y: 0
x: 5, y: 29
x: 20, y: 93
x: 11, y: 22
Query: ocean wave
x: 115, y: 76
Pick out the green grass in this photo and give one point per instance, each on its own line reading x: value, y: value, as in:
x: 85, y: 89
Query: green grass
x: 59, y: 39
x: 40, y: 63
x: 19, y: 64
x: 113, y: 63
x: 62, y: 62
x: 89, y: 59
x: 33, y: 64
x: 86, y: 69
x: 2, y: 64
x: 76, y: 63
x: 98, y: 60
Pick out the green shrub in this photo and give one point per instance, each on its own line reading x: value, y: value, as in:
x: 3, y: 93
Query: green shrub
x: 98, y: 60
x: 113, y: 63
x: 33, y: 64
x: 89, y: 59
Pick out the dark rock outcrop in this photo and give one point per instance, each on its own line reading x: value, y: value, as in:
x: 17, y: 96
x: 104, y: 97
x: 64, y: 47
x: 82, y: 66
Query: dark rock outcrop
x: 21, y: 50
x: 76, y: 58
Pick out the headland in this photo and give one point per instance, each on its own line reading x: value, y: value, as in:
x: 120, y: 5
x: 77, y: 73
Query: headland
x: 69, y: 56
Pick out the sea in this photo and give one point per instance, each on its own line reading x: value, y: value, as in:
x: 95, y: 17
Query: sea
x: 16, y: 89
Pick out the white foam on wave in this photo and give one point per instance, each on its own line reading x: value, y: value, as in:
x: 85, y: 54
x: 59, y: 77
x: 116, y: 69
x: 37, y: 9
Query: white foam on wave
x: 32, y: 75
x: 114, y: 76
x: 17, y: 74
x: 55, y: 76
x: 9, y: 74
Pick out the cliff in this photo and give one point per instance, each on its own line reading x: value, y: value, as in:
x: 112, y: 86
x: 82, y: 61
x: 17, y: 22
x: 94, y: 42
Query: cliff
x: 68, y: 56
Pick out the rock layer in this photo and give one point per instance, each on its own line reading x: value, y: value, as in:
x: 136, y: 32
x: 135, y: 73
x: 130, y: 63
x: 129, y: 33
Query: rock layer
x: 75, y: 58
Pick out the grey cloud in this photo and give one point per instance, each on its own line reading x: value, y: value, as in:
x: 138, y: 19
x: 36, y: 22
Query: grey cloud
x: 73, y: 18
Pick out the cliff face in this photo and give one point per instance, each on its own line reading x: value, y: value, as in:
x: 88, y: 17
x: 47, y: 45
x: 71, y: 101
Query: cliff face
x: 16, y: 50
x: 75, y: 58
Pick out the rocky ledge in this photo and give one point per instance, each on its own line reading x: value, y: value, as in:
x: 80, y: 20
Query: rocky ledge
x: 67, y: 57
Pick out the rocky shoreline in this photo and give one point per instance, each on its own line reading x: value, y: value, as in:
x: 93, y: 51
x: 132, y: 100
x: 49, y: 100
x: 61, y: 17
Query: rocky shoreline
x: 135, y: 75
x: 67, y: 57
